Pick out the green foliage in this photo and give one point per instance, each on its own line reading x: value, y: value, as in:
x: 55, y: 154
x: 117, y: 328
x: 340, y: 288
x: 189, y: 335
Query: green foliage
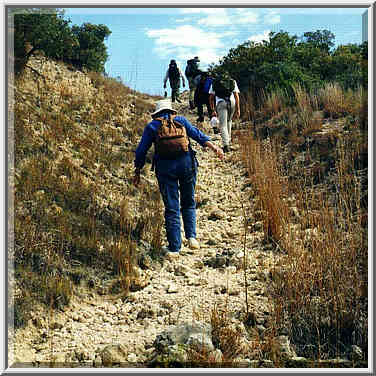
x: 47, y: 32
x: 347, y: 66
x: 90, y: 51
x: 284, y: 61
x: 36, y: 29
x: 320, y: 39
x: 283, y: 75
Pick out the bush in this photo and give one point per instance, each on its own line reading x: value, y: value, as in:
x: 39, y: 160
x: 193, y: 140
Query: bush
x: 36, y: 29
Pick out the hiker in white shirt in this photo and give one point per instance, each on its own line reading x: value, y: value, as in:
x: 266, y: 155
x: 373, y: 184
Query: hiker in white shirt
x: 225, y: 106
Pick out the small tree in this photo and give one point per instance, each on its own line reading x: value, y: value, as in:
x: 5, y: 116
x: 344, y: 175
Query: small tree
x: 322, y: 39
x: 90, y: 52
x: 36, y: 29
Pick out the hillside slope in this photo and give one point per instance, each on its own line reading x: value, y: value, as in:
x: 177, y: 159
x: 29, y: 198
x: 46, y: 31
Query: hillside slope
x: 82, y: 183
x: 90, y: 286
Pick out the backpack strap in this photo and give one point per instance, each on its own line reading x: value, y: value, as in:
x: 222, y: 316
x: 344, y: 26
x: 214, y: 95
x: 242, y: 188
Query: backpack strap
x: 192, y: 152
x: 171, y: 119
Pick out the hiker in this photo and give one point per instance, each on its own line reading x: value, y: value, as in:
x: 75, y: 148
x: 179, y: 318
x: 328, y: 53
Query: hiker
x: 175, y: 166
x: 201, y: 97
x: 191, y: 72
x: 174, y: 74
x: 224, y: 90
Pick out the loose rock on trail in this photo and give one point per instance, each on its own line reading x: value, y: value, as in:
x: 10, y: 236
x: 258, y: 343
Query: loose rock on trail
x: 98, y: 331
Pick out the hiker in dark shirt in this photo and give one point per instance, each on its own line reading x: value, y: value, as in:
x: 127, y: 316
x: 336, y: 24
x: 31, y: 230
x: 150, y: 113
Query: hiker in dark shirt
x: 191, y: 72
x: 174, y: 74
x: 201, y: 98
x: 176, y: 175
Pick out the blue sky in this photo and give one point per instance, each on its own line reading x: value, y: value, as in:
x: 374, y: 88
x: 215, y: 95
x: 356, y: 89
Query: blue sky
x: 144, y: 40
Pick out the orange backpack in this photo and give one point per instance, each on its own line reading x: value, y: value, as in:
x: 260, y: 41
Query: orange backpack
x: 172, y: 140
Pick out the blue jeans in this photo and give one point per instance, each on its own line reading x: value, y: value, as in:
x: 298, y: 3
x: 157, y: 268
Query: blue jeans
x: 177, y: 181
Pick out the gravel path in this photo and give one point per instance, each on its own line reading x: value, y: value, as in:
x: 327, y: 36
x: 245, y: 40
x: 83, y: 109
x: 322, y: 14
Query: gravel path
x: 177, y: 291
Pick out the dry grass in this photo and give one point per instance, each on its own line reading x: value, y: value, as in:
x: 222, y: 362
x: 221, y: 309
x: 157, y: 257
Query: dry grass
x: 264, y: 174
x: 74, y: 201
x: 336, y: 102
x: 225, y: 336
x: 247, y: 103
x: 320, y: 284
x: 274, y: 103
x: 307, y: 104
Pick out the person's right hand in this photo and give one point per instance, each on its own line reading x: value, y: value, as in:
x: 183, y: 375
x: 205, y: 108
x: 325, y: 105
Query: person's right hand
x: 219, y: 153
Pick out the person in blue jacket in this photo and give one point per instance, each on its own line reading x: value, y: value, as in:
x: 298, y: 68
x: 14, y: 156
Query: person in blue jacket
x: 176, y: 177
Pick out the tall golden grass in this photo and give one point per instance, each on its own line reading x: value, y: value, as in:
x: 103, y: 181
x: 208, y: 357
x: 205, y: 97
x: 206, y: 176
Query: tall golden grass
x: 320, y: 284
x: 72, y: 191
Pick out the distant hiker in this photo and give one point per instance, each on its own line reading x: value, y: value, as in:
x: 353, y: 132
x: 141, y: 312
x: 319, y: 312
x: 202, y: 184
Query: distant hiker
x: 175, y: 166
x: 224, y: 90
x: 191, y: 72
x: 201, y: 97
x: 174, y: 74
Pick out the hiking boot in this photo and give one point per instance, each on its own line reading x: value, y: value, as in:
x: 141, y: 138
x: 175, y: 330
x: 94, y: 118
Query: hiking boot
x: 226, y: 149
x: 172, y: 255
x: 193, y: 243
x: 215, y: 130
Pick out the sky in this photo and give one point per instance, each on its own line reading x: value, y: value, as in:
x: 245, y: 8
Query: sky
x: 144, y: 40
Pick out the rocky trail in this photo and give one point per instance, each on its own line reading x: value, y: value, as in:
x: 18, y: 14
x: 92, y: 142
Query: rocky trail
x: 100, y: 331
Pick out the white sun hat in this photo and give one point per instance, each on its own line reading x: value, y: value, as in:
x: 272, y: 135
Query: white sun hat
x: 164, y: 104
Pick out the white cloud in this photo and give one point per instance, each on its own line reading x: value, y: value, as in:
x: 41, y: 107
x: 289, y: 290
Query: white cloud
x: 260, y: 37
x: 215, y: 20
x: 185, y: 36
x: 224, y: 16
x: 181, y: 55
x: 214, y: 17
x: 186, y: 41
x: 208, y: 56
x: 272, y: 18
x: 244, y: 16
